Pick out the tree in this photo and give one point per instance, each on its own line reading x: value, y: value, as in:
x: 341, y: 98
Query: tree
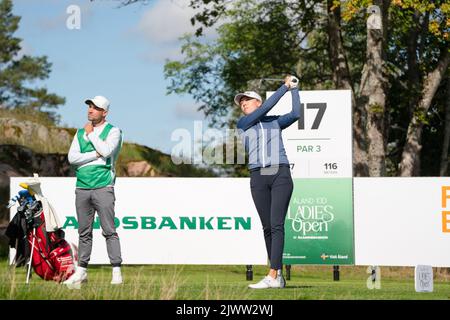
x: 410, y: 163
x: 16, y: 71
x: 394, y: 72
x: 446, y: 141
x: 429, y: 41
x: 213, y: 73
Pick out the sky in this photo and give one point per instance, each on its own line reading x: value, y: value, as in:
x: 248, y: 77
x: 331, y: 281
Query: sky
x: 118, y: 53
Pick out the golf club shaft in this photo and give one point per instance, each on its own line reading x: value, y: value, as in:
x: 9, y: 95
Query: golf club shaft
x: 31, y: 256
x: 272, y: 79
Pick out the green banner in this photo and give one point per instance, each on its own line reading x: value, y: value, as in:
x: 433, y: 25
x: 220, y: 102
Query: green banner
x: 319, y: 222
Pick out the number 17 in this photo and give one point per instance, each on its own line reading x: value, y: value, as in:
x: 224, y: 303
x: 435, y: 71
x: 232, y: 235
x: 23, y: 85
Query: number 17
x: 321, y: 106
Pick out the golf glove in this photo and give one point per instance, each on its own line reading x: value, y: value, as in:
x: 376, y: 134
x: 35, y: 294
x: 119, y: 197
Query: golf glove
x: 293, y: 83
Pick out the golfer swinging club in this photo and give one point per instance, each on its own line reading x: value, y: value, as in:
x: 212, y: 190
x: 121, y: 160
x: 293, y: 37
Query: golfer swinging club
x: 270, y: 177
x: 94, y: 151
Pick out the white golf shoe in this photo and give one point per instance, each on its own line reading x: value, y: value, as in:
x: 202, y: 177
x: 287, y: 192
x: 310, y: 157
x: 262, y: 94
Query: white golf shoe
x: 116, y: 277
x: 268, y: 282
x: 79, y: 277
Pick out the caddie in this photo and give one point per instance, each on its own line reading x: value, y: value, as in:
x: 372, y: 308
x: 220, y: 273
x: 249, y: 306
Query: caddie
x: 94, y: 152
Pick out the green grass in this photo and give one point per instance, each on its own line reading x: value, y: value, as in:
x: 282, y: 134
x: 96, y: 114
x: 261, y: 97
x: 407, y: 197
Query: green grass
x: 220, y: 283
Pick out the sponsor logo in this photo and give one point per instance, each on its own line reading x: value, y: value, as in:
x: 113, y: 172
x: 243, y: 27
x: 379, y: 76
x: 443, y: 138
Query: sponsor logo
x: 445, y: 213
x: 311, y: 217
x: 334, y: 256
x: 171, y: 223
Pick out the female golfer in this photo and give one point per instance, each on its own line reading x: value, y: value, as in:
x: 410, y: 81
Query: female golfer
x: 270, y: 177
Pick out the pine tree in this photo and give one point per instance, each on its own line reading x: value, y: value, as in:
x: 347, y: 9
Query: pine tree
x: 16, y: 71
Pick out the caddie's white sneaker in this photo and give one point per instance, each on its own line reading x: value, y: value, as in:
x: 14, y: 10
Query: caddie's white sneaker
x: 266, y: 283
x: 116, y: 277
x: 77, y: 278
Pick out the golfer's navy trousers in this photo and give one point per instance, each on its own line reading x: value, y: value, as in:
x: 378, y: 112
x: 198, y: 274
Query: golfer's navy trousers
x: 271, y: 189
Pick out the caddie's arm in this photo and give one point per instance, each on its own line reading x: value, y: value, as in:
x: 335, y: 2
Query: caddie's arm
x: 77, y: 158
x: 106, y: 147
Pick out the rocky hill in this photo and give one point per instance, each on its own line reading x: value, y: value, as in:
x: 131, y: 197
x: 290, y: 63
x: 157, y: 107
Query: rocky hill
x: 28, y: 145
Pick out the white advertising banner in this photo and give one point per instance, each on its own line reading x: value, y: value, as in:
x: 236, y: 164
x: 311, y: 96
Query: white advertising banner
x: 319, y: 144
x: 397, y: 221
x: 402, y: 221
x: 170, y: 220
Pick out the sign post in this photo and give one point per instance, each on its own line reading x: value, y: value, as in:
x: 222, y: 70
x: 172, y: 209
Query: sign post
x: 423, y: 277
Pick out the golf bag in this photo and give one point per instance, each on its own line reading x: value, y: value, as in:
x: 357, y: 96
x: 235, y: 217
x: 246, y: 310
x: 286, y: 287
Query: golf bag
x: 51, y: 256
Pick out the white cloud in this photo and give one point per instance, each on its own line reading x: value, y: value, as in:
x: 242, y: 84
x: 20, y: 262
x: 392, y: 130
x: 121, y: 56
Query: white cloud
x: 167, y: 20
x: 163, y: 24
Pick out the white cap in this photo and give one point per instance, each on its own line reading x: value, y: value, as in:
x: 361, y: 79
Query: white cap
x: 99, y: 101
x: 251, y: 94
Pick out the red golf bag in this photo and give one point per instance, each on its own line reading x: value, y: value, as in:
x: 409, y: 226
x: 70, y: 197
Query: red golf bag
x: 51, y: 257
